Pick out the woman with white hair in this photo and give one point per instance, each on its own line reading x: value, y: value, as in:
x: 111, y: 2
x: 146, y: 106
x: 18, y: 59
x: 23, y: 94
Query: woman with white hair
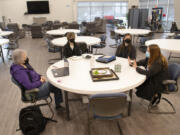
x: 27, y: 77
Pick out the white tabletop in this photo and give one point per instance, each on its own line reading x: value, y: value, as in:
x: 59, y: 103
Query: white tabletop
x: 6, y: 33
x: 172, y: 45
x: 79, y: 80
x: 86, y: 39
x: 132, y: 31
x: 62, y: 31
x: 170, y: 34
x: 3, y: 41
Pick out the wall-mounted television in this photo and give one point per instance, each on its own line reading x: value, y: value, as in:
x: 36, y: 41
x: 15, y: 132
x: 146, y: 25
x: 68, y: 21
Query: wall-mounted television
x: 38, y: 7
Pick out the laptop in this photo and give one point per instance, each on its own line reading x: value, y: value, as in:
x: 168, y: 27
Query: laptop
x: 60, y: 72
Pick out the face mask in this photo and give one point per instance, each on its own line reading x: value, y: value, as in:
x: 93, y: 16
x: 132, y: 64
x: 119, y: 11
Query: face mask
x: 147, y: 54
x: 128, y: 41
x: 26, y: 61
x: 71, y: 40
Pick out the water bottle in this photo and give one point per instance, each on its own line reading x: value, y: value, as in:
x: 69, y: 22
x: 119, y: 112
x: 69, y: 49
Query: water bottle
x: 92, y: 61
x: 66, y: 66
x: 117, y: 67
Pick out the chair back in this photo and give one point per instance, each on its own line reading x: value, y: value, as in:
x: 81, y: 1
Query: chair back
x: 103, y: 38
x: 23, y: 98
x: 56, y: 26
x: 103, y: 41
x: 174, y: 71
x: 113, y: 34
x: 13, y: 27
x: 108, y: 105
x: 73, y: 26
x: 83, y: 47
x: 57, y: 22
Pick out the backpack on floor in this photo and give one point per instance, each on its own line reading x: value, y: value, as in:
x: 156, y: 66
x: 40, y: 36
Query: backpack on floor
x: 31, y: 120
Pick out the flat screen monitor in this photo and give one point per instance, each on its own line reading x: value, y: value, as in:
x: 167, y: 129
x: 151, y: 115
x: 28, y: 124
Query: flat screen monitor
x: 38, y: 7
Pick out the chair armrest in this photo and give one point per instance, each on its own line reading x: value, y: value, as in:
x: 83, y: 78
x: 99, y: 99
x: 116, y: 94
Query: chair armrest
x: 165, y: 82
x: 36, y: 90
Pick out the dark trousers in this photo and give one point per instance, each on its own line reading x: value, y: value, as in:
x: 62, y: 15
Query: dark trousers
x: 45, y: 90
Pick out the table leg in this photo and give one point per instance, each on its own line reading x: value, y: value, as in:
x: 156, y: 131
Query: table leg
x: 130, y: 103
x: 169, y: 56
x: 2, y: 54
x: 67, y: 105
x: 61, y: 51
x: 90, y: 49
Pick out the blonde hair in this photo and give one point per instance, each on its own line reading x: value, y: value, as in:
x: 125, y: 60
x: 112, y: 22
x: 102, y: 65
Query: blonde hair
x: 17, y: 56
x: 70, y: 35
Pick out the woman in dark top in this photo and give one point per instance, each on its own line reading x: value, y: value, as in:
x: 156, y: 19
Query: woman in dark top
x: 71, y: 49
x: 126, y: 50
x: 156, y: 70
x: 28, y: 78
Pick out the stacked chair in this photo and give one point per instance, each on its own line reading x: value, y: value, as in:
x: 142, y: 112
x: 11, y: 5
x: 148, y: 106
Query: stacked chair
x: 36, y: 31
x: 15, y: 28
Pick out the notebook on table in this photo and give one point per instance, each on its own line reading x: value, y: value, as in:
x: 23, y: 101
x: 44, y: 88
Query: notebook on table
x: 106, y: 59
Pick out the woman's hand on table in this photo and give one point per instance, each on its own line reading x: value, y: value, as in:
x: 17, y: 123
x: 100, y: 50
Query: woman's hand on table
x: 43, y: 79
x: 135, y: 65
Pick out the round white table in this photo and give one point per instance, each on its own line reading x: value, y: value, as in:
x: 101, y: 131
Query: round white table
x: 170, y: 34
x: 79, y: 81
x: 2, y: 42
x: 171, y: 45
x: 132, y: 31
x: 61, y: 42
x: 6, y: 33
x: 79, y: 39
x: 62, y: 31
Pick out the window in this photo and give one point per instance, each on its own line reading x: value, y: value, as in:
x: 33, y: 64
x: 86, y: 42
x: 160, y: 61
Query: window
x: 87, y: 11
x: 168, y: 10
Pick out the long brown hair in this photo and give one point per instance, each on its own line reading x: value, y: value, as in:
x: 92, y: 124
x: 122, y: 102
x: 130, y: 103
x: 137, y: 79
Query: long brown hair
x: 155, y: 54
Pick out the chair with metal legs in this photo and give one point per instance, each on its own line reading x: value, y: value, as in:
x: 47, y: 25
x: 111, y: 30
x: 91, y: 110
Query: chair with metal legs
x: 171, y: 87
x: 101, y: 45
x: 107, y: 107
x: 1, y: 53
x: 30, y: 96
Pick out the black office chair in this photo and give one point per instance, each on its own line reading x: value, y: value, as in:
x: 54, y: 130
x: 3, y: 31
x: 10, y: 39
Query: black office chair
x: 107, y: 107
x: 143, y: 39
x: 114, y: 36
x: 101, y: 45
x: 30, y: 96
x: 171, y: 87
x: 83, y: 47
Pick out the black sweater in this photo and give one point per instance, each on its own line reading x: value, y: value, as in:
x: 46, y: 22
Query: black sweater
x: 155, y: 74
x: 124, y: 52
x: 68, y: 52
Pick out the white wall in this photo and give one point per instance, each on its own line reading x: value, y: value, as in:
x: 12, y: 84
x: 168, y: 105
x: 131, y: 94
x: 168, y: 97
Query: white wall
x: 15, y: 9
x: 177, y: 12
x: 0, y: 12
x: 63, y: 10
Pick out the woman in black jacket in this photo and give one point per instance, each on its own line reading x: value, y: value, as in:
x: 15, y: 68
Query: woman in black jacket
x: 156, y: 70
x: 126, y: 50
x: 71, y: 49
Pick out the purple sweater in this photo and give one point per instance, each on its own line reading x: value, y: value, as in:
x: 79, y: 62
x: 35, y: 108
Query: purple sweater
x: 27, y: 77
